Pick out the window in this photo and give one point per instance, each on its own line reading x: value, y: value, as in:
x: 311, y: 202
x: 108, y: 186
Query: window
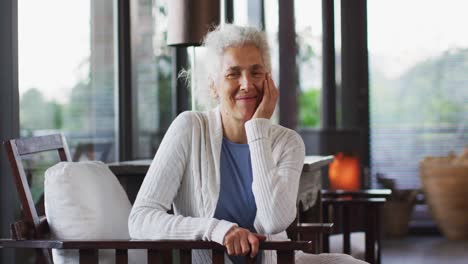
x: 418, y: 84
x: 418, y: 89
x: 66, y: 74
x: 309, y: 60
x: 152, y: 73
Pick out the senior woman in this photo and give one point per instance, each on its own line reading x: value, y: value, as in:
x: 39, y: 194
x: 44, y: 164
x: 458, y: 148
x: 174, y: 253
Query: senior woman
x: 231, y: 175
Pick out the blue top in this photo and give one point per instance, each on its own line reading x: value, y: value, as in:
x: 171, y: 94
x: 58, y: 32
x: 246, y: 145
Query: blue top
x: 236, y: 202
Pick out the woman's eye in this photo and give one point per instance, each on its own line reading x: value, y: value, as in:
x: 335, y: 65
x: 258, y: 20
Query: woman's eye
x: 258, y: 74
x: 232, y: 75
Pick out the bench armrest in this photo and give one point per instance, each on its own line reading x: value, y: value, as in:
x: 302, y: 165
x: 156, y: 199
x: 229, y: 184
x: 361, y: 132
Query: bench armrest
x: 89, y: 248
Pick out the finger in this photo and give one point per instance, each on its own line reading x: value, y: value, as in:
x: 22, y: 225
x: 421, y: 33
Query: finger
x: 228, y: 240
x: 234, y: 246
x: 245, y: 246
x: 254, y: 243
x: 269, y: 85
x: 230, y: 248
x: 237, y: 248
x: 273, y: 88
x: 266, y: 87
x: 269, y: 92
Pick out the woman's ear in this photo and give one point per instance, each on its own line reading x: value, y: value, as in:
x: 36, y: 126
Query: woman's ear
x: 213, y: 91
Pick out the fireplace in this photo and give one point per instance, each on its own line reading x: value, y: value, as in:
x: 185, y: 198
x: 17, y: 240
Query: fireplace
x: 347, y: 171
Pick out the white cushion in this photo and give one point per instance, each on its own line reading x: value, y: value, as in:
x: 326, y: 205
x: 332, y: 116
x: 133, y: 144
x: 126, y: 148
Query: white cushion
x: 357, y: 241
x: 85, y: 201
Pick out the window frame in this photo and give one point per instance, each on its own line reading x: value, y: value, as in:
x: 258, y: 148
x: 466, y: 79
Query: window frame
x: 9, y: 109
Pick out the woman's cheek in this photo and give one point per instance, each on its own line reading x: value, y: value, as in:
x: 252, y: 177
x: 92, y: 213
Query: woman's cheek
x: 260, y: 85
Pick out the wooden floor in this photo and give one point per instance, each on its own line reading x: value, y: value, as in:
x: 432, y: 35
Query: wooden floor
x: 424, y: 249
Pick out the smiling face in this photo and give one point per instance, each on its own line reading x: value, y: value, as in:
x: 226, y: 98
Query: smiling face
x: 239, y: 86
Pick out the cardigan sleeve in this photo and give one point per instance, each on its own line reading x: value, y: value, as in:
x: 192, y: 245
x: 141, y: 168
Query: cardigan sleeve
x: 149, y: 218
x: 275, y: 176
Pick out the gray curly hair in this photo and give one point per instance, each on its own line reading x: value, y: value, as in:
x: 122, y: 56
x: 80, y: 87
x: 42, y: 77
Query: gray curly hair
x: 214, y: 44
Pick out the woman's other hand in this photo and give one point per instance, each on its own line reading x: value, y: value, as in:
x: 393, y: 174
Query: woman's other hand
x: 240, y: 241
x: 270, y: 96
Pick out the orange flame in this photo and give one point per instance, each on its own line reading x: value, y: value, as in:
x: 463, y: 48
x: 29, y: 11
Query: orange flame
x: 343, y: 173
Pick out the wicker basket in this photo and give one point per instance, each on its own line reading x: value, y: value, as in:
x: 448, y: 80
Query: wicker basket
x: 445, y: 184
x: 396, y: 217
x: 397, y: 211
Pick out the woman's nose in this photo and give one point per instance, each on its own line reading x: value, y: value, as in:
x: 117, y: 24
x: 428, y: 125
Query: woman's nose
x: 245, y: 83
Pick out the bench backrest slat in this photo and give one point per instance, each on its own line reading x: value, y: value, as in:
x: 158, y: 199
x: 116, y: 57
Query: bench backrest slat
x: 121, y: 256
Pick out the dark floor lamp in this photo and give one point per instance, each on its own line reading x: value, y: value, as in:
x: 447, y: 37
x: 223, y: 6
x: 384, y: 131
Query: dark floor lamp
x: 190, y: 20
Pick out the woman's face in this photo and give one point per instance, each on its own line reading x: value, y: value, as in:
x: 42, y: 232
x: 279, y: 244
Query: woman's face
x: 240, y: 84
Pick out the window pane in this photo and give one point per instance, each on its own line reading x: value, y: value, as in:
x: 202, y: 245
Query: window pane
x: 66, y: 73
x: 309, y: 60
x: 241, y: 12
x: 152, y: 66
x: 418, y: 84
x: 271, y: 28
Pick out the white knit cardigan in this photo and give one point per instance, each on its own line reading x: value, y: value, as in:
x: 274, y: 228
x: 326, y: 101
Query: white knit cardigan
x: 185, y: 172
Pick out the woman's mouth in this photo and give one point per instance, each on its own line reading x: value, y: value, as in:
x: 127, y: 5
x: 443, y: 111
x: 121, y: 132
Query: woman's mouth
x: 246, y: 97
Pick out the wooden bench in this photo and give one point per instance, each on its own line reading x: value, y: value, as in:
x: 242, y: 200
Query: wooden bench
x: 33, y: 231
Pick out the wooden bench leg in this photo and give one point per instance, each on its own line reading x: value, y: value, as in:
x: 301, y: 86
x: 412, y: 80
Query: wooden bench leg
x: 346, y: 219
x: 218, y: 256
x: 285, y: 257
x: 89, y: 256
x: 378, y: 232
x: 154, y: 256
x: 326, y: 236
x: 371, y: 221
